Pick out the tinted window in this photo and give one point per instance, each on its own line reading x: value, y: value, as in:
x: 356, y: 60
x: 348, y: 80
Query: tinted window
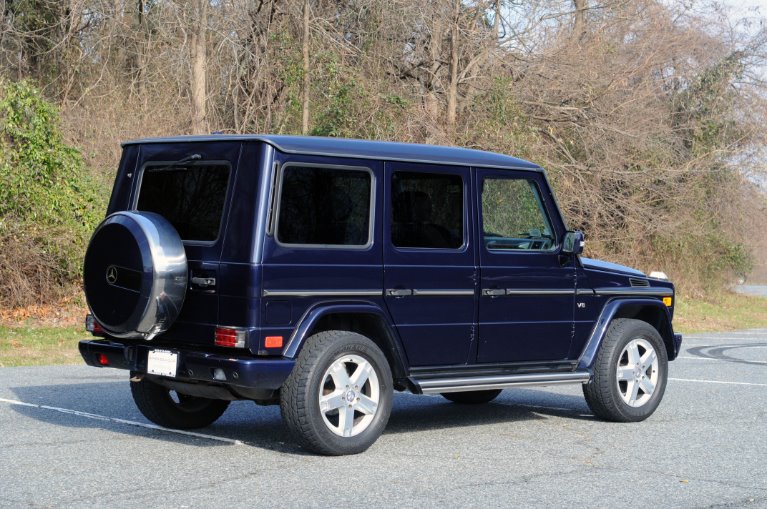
x: 427, y: 210
x: 324, y: 206
x: 191, y: 198
x: 513, y: 216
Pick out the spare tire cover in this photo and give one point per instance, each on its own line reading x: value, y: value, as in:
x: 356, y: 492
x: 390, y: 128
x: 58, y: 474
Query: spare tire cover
x: 135, y: 274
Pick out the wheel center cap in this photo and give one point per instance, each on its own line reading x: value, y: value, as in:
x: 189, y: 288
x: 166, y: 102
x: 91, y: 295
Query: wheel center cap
x: 350, y: 396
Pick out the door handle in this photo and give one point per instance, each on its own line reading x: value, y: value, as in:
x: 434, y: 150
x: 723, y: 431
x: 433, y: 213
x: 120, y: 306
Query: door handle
x: 493, y: 292
x: 204, y: 282
x: 397, y: 292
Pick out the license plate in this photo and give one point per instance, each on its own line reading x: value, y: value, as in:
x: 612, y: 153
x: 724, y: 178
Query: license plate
x: 162, y: 362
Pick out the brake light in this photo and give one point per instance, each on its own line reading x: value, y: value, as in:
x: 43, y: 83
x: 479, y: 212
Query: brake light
x: 230, y: 337
x: 94, y: 327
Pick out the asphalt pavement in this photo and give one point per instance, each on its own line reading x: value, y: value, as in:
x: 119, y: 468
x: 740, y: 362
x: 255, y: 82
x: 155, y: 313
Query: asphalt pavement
x: 70, y: 436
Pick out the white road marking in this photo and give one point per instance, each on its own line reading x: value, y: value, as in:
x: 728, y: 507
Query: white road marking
x: 714, y: 359
x: 721, y: 339
x: 97, y: 417
x: 716, y: 382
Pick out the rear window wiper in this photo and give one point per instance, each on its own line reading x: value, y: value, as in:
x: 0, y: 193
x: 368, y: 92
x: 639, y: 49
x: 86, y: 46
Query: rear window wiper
x: 188, y: 159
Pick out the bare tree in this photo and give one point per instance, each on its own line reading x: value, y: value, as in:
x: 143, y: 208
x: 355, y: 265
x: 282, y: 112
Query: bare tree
x: 199, y: 65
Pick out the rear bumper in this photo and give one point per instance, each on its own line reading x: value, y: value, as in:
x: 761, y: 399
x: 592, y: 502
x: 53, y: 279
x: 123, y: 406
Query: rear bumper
x: 243, y: 371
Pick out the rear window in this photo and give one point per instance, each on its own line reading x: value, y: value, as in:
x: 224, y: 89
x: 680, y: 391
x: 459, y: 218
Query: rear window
x: 324, y: 206
x: 190, y: 197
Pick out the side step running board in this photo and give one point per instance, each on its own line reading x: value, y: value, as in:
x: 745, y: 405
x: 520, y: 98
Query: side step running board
x: 480, y: 383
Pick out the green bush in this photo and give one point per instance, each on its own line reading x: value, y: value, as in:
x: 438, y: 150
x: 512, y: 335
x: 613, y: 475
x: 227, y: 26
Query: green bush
x: 49, y: 204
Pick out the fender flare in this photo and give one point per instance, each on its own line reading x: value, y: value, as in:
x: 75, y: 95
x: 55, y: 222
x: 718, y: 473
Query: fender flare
x: 314, y: 314
x: 609, y: 312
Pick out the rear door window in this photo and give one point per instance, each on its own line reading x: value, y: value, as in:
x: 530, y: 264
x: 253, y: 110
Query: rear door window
x: 191, y: 197
x: 427, y: 210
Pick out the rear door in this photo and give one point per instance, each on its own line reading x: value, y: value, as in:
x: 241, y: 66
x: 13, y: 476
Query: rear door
x: 528, y: 290
x: 429, y: 268
x: 194, y: 196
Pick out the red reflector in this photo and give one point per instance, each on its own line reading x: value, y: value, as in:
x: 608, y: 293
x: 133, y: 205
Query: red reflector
x: 102, y: 359
x: 273, y: 342
x: 98, y: 330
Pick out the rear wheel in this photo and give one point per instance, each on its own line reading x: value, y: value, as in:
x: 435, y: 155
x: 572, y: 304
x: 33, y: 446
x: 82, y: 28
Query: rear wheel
x: 472, y: 397
x: 630, y: 373
x: 172, y: 409
x: 337, y: 400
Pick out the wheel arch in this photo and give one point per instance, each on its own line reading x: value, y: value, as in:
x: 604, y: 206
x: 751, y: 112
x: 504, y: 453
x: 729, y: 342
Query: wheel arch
x: 651, y: 311
x: 363, y: 318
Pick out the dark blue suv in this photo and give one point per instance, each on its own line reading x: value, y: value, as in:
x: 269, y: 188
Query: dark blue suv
x: 324, y: 274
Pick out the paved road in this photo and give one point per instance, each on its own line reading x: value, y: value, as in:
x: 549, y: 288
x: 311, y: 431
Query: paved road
x: 71, y: 437
x: 758, y: 290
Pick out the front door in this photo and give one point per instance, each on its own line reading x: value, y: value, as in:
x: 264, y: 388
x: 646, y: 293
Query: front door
x: 527, y: 288
x: 429, y: 267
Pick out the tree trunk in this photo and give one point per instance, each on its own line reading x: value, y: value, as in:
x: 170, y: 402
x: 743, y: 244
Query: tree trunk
x: 431, y: 81
x: 452, y: 90
x: 198, y: 57
x: 579, y: 29
x: 307, y: 81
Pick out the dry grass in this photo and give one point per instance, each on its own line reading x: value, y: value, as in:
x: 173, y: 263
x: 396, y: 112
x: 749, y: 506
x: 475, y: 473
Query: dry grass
x: 723, y: 312
x: 39, y: 346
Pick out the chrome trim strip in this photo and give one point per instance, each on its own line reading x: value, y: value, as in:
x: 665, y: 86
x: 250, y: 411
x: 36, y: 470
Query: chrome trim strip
x: 435, y: 386
x: 442, y: 293
x: 322, y: 293
x: 653, y: 291
x: 584, y: 291
x: 540, y: 291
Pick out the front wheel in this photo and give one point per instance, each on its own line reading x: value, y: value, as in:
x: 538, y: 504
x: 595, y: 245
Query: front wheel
x: 172, y: 409
x: 630, y: 373
x: 337, y: 399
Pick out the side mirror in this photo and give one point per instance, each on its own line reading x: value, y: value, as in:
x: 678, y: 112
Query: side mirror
x: 573, y: 243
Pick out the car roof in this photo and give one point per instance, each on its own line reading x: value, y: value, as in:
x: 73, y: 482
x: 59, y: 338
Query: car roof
x: 363, y: 149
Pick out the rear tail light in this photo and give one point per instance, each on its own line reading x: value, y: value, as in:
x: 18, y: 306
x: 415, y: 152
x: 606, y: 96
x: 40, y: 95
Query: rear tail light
x: 231, y: 337
x: 94, y: 327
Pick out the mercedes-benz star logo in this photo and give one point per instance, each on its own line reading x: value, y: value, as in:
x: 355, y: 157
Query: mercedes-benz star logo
x: 111, y: 274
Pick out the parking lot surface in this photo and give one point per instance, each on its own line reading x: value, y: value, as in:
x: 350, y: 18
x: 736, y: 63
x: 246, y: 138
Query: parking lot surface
x: 71, y: 437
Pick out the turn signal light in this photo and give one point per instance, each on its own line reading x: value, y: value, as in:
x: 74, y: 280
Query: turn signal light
x: 668, y: 301
x: 230, y: 337
x: 273, y: 342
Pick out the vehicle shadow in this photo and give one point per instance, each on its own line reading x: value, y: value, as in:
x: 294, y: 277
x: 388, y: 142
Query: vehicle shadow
x: 101, y: 405
x: 412, y: 413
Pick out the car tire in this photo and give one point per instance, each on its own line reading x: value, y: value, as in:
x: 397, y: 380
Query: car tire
x: 170, y: 409
x: 337, y: 399
x: 472, y: 397
x: 630, y: 373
